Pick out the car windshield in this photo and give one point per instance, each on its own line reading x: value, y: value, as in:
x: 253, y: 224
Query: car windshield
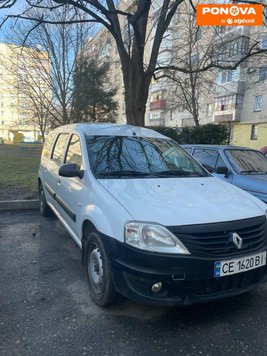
x: 247, y: 161
x: 139, y: 157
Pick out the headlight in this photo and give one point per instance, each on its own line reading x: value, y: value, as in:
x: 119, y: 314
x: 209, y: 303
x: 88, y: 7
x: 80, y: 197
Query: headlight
x: 153, y: 237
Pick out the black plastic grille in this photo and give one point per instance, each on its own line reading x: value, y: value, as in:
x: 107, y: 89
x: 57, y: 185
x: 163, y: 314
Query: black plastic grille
x: 215, y: 240
x: 224, y: 284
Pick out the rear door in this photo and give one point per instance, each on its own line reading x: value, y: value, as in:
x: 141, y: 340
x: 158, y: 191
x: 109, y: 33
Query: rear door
x: 46, y: 156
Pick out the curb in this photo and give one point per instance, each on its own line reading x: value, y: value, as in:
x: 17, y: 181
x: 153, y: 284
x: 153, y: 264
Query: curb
x: 19, y: 205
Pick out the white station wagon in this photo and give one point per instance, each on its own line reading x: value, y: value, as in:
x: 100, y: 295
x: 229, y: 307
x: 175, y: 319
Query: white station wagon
x: 152, y: 223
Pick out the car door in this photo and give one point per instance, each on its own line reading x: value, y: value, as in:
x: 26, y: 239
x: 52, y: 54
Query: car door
x: 44, y: 173
x: 220, y: 163
x: 73, y: 190
x: 52, y: 181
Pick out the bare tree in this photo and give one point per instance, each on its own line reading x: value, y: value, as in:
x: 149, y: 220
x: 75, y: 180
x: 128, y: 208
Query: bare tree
x: 48, y: 83
x: 191, y: 47
x: 210, y: 54
x: 130, y: 24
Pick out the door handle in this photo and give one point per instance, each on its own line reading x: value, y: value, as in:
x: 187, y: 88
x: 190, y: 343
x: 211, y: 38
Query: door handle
x: 58, y: 181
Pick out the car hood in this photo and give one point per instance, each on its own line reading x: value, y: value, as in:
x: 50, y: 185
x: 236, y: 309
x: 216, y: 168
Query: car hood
x: 183, y: 201
x: 253, y: 182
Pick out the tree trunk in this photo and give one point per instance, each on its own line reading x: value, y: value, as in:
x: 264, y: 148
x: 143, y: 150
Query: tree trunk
x: 136, y: 85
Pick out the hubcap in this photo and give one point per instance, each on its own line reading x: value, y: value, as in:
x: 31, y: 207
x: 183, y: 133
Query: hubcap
x: 95, y: 268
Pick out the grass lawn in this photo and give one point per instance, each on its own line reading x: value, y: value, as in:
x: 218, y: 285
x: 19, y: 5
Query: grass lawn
x: 18, y: 172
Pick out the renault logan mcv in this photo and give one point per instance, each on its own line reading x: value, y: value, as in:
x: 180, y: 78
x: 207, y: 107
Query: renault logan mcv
x: 152, y: 223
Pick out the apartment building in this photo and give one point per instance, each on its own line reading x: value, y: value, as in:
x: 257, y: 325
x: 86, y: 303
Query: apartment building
x: 22, y: 88
x: 103, y: 47
x: 236, y: 98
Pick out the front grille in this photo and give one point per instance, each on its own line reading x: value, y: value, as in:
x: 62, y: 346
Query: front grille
x: 224, y: 284
x: 215, y: 240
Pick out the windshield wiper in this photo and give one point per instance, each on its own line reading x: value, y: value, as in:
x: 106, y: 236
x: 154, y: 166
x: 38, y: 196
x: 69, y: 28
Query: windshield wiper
x: 177, y: 173
x: 160, y: 174
x: 253, y: 171
x: 119, y: 174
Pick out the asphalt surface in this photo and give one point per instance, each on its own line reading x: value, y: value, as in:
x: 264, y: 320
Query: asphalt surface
x: 45, y: 307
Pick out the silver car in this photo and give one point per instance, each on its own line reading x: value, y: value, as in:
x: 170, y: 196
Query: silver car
x: 244, y: 167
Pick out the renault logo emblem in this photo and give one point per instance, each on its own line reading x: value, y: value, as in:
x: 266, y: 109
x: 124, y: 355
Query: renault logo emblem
x: 237, y: 240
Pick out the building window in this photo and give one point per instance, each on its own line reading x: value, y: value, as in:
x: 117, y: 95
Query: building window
x: 198, y: 34
x: 3, y: 122
x: 254, y: 132
x: 258, y: 103
x: 220, y: 30
x: 224, y: 76
x: 224, y: 103
x: 208, y: 110
x: 194, y: 59
x: 262, y: 73
x: 239, y: 46
x: 189, y: 122
x: 264, y: 42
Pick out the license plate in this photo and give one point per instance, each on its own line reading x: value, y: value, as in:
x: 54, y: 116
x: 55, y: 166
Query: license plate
x: 226, y: 268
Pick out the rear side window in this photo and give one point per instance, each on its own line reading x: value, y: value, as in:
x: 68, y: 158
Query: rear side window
x: 74, y: 153
x: 59, y: 148
x: 48, y: 145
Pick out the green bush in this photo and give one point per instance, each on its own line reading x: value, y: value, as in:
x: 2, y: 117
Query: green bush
x: 18, y: 137
x: 213, y: 134
x: 167, y: 131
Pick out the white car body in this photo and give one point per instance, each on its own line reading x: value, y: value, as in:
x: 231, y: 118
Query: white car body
x: 109, y: 204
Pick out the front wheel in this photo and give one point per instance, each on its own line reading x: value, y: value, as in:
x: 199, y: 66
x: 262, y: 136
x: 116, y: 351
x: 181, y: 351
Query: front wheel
x: 98, y: 271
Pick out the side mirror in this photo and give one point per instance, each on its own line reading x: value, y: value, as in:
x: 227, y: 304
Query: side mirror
x: 222, y: 170
x: 70, y: 170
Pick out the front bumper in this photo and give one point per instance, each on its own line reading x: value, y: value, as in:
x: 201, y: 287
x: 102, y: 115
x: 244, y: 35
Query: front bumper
x: 185, y: 279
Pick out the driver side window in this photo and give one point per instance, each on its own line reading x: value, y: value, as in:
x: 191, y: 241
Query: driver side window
x: 207, y: 158
x: 74, y: 152
x: 220, y: 162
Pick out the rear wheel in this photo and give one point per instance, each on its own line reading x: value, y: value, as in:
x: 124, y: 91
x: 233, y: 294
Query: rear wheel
x: 98, y: 271
x: 44, y: 208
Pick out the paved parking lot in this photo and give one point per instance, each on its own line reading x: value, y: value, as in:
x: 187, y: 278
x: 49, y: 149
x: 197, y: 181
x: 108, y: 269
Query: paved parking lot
x: 45, y: 308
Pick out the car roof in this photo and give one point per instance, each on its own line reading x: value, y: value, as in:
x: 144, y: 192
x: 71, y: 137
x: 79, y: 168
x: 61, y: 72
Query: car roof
x: 92, y: 129
x: 218, y: 147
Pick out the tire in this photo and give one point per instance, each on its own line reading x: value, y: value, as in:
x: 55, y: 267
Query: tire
x: 98, y: 272
x: 44, y: 208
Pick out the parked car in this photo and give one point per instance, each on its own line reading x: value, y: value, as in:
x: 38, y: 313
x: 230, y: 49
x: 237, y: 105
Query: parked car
x: 244, y: 167
x: 152, y: 223
x: 264, y: 151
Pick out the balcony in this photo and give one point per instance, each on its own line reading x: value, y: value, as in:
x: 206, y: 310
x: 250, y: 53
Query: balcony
x: 231, y: 115
x: 158, y: 105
